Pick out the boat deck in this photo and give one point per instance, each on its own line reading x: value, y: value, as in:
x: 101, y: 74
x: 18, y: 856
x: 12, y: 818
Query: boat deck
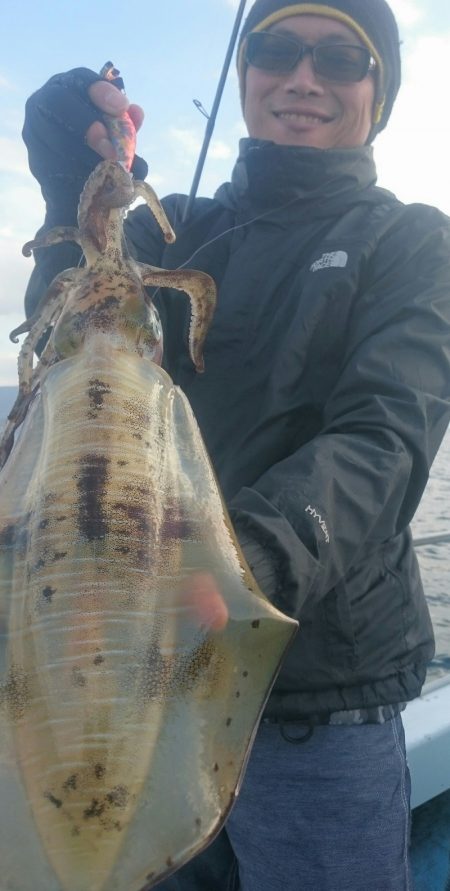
x: 430, y: 845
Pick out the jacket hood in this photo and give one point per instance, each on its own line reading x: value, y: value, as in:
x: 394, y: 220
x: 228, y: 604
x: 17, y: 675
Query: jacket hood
x: 267, y: 175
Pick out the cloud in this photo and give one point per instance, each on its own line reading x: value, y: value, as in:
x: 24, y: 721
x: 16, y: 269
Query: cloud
x: 239, y: 130
x: 15, y: 271
x: 407, y: 12
x: 6, y: 84
x: 412, y: 156
x: 13, y: 156
x: 22, y: 208
x: 22, y: 214
x: 220, y: 151
x: 190, y: 141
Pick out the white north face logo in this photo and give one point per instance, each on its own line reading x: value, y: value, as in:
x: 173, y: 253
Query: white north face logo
x: 335, y: 258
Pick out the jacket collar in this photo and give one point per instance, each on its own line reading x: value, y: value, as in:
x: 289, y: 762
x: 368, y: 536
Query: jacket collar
x: 267, y: 175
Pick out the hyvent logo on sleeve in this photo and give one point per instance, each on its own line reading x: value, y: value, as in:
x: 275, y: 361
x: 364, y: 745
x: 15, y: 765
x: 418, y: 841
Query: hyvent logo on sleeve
x: 314, y: 513
x: 335, y: 258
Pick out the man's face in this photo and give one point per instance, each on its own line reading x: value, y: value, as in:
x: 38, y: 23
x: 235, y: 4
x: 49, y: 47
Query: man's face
x: 301, y: 108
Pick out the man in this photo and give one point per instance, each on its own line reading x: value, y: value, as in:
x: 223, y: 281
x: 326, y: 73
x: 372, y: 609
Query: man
x: 324, y: 401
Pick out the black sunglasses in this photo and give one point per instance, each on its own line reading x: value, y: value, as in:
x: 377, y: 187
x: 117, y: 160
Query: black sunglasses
x: 341, y: 62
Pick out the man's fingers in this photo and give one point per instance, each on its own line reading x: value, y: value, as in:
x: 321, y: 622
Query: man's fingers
x: 202, y: 595
x: 137, y: 115
x: 108, y: 98
x: 97, y: 140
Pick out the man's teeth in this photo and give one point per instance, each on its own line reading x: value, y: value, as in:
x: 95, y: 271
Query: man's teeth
x: 300, y: 118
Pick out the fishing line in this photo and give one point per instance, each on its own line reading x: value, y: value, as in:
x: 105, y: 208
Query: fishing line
x: 236, y: 228
x: 260, y: 216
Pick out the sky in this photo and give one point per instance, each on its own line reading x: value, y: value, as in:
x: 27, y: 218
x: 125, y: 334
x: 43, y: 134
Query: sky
x: 169, y: 54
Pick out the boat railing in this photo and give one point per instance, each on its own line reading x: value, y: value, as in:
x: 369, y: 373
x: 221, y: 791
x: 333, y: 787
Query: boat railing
x: 433, y: 538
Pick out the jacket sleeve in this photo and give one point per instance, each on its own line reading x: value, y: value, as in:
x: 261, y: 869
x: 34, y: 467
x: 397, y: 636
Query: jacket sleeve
x: 323, y: 509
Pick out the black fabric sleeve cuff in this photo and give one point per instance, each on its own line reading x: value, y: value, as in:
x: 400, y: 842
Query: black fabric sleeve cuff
x: 261, y: 565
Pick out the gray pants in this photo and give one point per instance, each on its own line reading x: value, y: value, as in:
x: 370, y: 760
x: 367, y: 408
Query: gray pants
x: 327, y: 814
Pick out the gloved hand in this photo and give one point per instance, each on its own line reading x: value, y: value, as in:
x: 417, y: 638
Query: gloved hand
x: 63, y: 125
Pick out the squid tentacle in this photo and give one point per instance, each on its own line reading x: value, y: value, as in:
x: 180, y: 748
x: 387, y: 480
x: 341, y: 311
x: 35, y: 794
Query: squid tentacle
x: 201, y: 290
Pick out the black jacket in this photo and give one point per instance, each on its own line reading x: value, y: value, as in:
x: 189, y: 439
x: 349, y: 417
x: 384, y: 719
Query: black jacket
x: 324, y: 401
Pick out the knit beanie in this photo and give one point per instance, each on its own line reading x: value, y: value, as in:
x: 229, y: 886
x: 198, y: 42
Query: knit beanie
x: 373, y: 22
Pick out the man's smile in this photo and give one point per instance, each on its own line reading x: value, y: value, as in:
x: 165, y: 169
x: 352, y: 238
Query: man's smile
x: 301, y: 117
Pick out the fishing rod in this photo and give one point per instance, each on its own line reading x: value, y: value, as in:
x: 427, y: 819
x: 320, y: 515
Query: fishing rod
x: 212, y: 117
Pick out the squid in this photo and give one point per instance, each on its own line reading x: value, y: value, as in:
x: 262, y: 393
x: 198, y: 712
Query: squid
x: 136, y: 650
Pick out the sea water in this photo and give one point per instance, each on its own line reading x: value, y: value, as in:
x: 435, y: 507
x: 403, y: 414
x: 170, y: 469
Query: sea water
x: 433, y: 517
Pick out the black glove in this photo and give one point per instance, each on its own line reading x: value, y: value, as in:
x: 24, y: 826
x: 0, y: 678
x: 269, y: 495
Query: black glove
x: 56, y: 120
